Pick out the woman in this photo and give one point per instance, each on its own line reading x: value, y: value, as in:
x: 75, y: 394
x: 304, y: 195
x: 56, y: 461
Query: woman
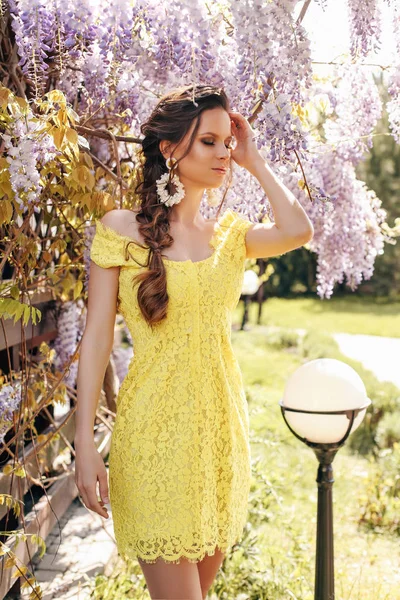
x: 179, y: 463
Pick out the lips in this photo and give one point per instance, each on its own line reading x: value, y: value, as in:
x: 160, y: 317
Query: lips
x: 220, y: 170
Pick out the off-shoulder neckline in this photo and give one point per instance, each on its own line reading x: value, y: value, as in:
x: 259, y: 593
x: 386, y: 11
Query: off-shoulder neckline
x: 139, y: 246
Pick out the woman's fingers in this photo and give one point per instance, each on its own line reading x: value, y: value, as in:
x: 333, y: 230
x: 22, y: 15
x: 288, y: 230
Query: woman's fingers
x: 241, y: 125
x: 103, y: 486
x: 90, y: 500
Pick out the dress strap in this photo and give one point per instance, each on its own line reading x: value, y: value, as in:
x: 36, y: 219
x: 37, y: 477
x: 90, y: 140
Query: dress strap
x: 230, y: 233
x: 112, y: 249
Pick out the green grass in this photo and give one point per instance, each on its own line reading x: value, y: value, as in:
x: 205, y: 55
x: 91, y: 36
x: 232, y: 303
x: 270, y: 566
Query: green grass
x: 366, y: 564
x: 350, y: 314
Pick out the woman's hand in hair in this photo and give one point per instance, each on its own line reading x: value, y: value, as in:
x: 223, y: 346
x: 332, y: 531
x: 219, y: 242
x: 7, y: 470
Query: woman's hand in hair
x: 246, y: 151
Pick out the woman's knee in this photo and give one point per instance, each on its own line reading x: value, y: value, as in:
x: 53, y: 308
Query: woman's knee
x: 172, y: 581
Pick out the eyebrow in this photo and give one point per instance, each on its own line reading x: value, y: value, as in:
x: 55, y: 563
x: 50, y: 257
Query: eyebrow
x: 214, y: 134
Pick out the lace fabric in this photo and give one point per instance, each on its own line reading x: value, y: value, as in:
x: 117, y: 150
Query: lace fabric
x: 179, y: 463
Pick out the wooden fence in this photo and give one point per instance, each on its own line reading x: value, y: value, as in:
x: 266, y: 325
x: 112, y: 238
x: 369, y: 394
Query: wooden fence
x: 42, y: 508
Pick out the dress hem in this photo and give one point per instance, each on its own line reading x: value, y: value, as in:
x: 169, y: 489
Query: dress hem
x: 225, y: 548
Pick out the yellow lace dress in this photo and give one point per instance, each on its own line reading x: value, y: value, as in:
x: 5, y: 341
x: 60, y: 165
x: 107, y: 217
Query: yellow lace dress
x: 179, y: 462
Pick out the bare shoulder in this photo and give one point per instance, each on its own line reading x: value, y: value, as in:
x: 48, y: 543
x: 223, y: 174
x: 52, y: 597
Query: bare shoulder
x: 122, y: 220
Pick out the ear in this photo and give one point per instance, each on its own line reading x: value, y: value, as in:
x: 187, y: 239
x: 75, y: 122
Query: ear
x: 165, y: 148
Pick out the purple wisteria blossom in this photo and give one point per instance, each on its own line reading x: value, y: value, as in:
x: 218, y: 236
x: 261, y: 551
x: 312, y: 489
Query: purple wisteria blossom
x: 358, y: 109
x: 365, y: 27
x: 10, y: 400
x: 69, y: 331
x: 119, y: 57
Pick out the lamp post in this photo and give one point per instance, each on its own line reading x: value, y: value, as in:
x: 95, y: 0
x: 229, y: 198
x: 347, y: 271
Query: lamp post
x: 249, y: 287
x: 324, y: 401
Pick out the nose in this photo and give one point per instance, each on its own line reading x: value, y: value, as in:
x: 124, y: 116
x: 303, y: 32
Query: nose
x: 224, y: 152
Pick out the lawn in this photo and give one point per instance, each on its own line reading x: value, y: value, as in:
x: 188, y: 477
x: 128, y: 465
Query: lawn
x: 349, y: 314
x: 366, y: 564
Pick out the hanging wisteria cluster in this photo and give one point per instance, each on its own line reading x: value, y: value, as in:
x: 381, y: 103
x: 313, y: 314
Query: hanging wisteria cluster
x: 10, y: 400
x: 69, y: 331
x: 115, y: 59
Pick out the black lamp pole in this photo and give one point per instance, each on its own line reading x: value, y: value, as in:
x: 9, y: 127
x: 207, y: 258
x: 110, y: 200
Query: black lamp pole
x: 324, y: 559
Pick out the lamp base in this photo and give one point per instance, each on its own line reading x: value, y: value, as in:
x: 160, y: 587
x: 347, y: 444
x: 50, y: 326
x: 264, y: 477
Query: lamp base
x: 324, y: 560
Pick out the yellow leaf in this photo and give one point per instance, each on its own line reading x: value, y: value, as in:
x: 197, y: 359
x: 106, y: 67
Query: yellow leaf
x: 63, y: 117
x: 36, y: 594
x: 18, y: 573
x: 4, y: 549
x: 20, y: 472
x: 72, y: 136
x: 57, y: 188
x: 22, y: 103
x: 7, y: 469
x: 87, y: 160
x: 84, y: 177
x: 28, y: 583
x: 6, y: 211
x: 56, y: 96
x: 58, y: 137
x: 76, y: 151
x: 78, y: 289
x: 10, y: 562
x: 5, y: 96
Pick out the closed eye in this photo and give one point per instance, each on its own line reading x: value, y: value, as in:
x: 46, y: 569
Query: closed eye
x: 229, y: 146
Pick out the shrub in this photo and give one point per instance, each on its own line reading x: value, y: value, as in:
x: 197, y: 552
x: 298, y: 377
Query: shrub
x: 380, y: 501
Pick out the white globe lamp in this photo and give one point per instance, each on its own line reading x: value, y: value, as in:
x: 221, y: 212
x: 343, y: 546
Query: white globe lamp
x: 250, y: 282
x: 249, y: 287
x: 324, y: 401
x: 325, y: 391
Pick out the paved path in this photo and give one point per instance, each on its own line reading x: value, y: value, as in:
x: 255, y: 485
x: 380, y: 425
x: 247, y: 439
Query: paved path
x: 84, y: 548
x: 381, y: 355
x: 378, y: 354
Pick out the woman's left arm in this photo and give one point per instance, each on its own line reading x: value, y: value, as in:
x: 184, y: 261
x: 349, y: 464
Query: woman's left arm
x: 289, y: 215
x: 292, y: 228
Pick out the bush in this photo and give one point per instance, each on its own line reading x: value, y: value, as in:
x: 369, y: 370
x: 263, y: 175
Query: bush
x: 245, y: 574
x: 380, y: 501
x: 284, y: 338
x: 388, y: 430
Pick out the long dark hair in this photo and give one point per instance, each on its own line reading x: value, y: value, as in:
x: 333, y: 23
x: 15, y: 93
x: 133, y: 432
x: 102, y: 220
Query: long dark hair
x: 170, y: 120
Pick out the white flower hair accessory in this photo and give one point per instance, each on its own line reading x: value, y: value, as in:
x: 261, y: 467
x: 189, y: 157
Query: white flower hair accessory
x: 162, y: 181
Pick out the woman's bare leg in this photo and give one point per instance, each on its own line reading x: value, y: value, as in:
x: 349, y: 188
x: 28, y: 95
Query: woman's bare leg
x: 208, y: 568
x: 169, y: 581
